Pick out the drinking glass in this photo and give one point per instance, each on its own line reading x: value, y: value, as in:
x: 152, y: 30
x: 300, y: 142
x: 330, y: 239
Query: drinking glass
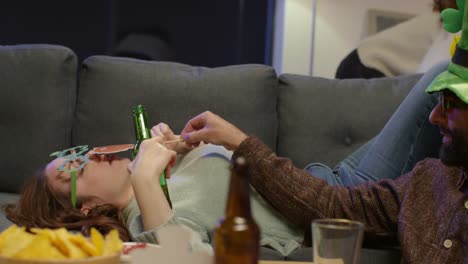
x: 337, y: 241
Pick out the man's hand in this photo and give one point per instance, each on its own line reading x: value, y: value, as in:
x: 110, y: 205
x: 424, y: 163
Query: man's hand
x: 210, y: 128
x: 163, y: 131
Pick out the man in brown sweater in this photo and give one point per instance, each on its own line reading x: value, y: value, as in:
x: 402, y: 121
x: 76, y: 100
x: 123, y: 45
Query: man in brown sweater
x: 426, y: 208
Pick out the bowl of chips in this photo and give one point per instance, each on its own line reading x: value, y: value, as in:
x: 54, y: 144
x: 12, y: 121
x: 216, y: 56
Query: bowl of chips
x: 18, y: 246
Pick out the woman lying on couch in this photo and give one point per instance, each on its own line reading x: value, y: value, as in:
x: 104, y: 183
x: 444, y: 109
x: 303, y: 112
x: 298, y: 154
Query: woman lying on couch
x: 112, y: 192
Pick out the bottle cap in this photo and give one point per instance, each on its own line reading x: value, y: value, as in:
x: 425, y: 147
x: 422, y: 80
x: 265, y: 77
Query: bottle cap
x: 138, y: 109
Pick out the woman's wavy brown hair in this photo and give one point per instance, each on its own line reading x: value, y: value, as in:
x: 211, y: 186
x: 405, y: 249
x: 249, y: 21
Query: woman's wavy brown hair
x: 41, y: 206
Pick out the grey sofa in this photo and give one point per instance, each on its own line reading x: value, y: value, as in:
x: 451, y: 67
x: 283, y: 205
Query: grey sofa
x: 49, y: 102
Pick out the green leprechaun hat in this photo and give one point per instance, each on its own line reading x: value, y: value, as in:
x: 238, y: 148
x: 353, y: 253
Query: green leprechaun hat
x: 456, y: 77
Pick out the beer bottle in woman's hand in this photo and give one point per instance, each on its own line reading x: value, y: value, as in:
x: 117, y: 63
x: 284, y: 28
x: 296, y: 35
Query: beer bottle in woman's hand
x: 142, y: 132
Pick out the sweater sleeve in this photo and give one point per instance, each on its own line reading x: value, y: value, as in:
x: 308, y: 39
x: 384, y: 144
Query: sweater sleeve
x: 134, y: 224
x: 302, y: 197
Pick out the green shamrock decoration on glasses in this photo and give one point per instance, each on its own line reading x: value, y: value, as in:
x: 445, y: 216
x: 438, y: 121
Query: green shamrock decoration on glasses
x: 72, y: 156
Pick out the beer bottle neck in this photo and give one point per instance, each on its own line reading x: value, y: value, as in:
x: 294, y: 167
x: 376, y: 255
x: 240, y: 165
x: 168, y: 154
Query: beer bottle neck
x: 140, y: 123
x: 238, y: 203
x: 142, y: 130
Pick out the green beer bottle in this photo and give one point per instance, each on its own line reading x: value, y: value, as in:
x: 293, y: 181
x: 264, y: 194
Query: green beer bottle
x: 142, y: 132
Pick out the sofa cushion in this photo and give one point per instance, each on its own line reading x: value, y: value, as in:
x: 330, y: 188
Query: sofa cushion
x: 172, y: 93
x: 37, y: 101
x: 6, y: 198
x: 324, y: 120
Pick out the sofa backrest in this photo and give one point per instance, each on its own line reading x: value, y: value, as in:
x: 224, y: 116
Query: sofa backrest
x: 324, y: 120
x: 304, y: 118
x: 37, y: 99
x: 172, y: 93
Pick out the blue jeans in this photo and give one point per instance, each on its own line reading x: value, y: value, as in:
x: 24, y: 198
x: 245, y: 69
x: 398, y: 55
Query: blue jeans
x: 407, y: 138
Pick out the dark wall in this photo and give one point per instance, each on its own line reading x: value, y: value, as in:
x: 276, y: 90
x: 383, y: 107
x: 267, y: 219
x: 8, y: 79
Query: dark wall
x: 207, y: 33
x: 80, y: 25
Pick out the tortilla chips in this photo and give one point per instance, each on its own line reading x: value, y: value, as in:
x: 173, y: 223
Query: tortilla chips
x: 16, y: 242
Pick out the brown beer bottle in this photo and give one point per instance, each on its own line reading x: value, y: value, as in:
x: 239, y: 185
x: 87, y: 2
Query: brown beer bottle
x: 237, y: 236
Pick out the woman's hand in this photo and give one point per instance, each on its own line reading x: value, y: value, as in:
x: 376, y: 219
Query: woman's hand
x: 162, y: 130
x: 152, y: 159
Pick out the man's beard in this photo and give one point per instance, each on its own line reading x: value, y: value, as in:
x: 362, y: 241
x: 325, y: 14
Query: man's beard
x: 456, y: 153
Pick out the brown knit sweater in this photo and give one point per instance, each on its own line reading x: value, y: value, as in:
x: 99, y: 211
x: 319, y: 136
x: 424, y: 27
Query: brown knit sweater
x: 426, y: 207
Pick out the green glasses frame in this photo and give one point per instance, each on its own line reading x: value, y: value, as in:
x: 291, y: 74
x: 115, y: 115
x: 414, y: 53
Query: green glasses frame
x: 72, y: 156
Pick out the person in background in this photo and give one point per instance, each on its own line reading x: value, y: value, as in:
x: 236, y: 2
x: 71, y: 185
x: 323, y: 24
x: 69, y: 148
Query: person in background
x: 410, y: 47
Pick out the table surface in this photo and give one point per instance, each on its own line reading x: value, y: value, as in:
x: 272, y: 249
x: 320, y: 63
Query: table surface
x: 282, y: 262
